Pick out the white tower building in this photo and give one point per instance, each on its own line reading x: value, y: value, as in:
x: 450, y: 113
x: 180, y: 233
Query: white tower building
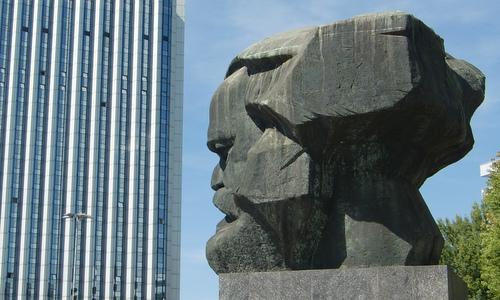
x: 90, y: 126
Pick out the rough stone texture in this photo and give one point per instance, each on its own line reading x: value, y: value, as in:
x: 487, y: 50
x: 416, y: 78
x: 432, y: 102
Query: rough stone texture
x: 325, y: 135
x: 401, y: 282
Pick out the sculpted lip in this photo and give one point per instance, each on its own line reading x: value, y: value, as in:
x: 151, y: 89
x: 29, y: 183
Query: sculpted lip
x: 224, y: 201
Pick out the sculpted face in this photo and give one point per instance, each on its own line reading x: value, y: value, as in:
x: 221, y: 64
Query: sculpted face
x: 325, y: 135
x: 262, y: 180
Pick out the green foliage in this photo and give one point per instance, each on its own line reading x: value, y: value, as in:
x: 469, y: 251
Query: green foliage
x: 462, y: 249
x: 472, y: 245
x: 490, y: 235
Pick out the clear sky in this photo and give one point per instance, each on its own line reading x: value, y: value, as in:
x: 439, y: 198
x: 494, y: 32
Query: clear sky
x: 216, y: 30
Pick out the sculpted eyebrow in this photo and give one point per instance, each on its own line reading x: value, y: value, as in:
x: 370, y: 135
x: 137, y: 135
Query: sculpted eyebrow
x: 258, y: 64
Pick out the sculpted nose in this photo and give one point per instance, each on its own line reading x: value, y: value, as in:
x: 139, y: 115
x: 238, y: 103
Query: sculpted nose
x: 216, y: 181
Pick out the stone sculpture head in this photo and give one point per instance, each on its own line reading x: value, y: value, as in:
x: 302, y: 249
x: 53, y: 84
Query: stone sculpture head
x: 325, y: 135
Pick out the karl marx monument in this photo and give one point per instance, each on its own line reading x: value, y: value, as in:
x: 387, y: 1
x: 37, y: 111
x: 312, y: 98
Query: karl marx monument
x: 325, y: 135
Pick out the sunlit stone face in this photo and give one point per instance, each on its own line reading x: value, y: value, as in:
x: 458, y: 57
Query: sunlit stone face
x: 325, y: 135
x: 262, y: 180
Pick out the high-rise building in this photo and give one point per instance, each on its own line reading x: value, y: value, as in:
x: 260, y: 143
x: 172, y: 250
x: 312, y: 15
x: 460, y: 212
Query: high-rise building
x: 486, y: 168
x: 90, y: 126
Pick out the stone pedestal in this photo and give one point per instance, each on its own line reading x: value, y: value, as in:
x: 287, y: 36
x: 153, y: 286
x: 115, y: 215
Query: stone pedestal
x: 400, y: 282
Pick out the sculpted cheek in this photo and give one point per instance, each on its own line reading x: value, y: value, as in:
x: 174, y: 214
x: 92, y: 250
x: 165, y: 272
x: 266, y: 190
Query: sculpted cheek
x: 277, y: 169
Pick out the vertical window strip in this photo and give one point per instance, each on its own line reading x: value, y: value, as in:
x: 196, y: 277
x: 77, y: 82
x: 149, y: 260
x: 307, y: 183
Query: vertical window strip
x: 103, y: 167
x: 18, y: 161
x: 123, y: 152
x: 161, y: 268
x: 83, y: 136
x: 60, y: 158
x: 144, y: 146
x: 38, y: 170
x: 5, y: 28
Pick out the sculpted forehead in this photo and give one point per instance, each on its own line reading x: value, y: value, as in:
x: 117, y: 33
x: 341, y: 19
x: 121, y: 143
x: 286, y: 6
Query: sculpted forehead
x: 360, y: 65
x: 343, y: 34
x: 323, y: 78
x: 337, y: 69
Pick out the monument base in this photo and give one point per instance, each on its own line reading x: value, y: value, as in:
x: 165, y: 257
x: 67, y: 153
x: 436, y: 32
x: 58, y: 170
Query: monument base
x: 395, y: 282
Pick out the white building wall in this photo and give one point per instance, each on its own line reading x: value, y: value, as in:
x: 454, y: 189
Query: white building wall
x: 175, y: 162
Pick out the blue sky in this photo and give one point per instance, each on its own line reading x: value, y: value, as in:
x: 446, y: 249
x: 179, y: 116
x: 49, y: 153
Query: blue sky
x: 217, y: 30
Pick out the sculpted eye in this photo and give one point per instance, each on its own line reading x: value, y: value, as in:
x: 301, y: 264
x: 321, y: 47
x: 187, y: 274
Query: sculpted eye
x: 258, y: 65
x: 265, y: 117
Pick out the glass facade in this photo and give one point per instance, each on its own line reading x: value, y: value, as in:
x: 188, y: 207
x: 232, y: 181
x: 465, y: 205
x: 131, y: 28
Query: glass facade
x: 102, y: 153
x: 123, y: 154
x: 60, y: 167
x: 66, y: 128
x: 5, y: 27
x: 161, y: 248
x: 35, y: 194
x: 17, y: 167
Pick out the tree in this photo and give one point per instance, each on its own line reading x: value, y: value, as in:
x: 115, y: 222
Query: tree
x: 490, y: 234
x: 472, y: 245
x: 462, y: 249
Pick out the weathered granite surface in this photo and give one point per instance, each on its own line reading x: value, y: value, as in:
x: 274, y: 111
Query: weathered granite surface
x: 383, y: 283
x: 325, y: 135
